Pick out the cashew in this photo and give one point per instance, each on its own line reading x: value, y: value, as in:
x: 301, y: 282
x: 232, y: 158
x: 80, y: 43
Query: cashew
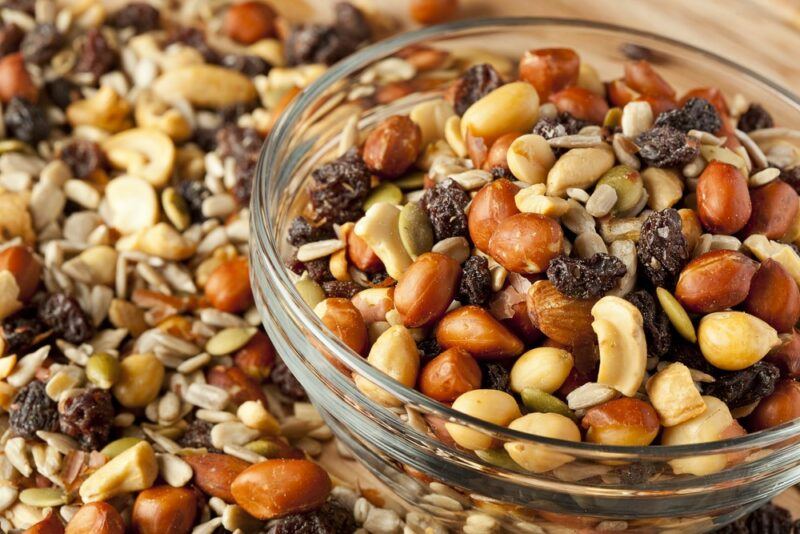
x: 152, y: 112
x: 708, y: 426
x: 105, y: 109
x: 663, y: 186
x: 143, y: 152
x: 161, y: 240
x: 580, y: 167
x: 206, y: 86
x: 132, y: 470
x: 380, y: 229
x: 625, y: 250
x: 623, y: 350
x: 132, y: 204
x: 674, y: 396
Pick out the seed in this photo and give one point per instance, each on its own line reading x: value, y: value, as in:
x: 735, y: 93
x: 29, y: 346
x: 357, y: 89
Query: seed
x: 416, y: 232
x: 265, y: 448
x: 764, y: 177
x: 676, y: 314
x: 414, y: 180
x: 43, y: 497
x: 537, y: 400
x: 175, y: 209
x: 386, y: 192
x: 175, y: 471
x: 590, y: 394
x: 232, y: 433
x: 102, y: 370
x: 116, y: 447
x: 602, y: 201
x: 576, y: 141
x: 636, y: 117
x: 319, y: 249
x: 206, y: 396
x: 229, y: 340
x: 456, y: 248
x: 498, y: 457
x: 311, y: 292
x: 472, y: 179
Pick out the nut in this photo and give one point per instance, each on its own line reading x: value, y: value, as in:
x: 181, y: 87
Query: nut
x: 449, y: 375
x: 432, y: 11
x: 708, y: 426
x: 676, y: 314
x: 359, y: 253
x: 161, y: 240
x: 714, y: 281
x: 734, y: 340
x: 674, y: 395
x: 625, y: 250
x: 491, y: 405
x: 431, y: 117
x: 637, y: 117
x: 99, y: 262
x: 774, y: 210
x: 581, y: 104
x: 774, y: 296
x: 23, y: 265
x: 144, y: 152
x: 562, y: 319
x: 206, y: 86
x: 345, y: 321
x: 530, y: 158
x: 622, y: 422
x: 543, y: 368
x: 393, y: 146
x: 102, y: 370
x: 664, y: 188
x: 787, y: 355
x: 537, y: 458
x: 394, y: 353
x: 549, y: 69
x: 214, y: 473
x: 235, y: 382
x: 526, y: 242
x: 589, y: 78
x: 257, y: 357
x: 275, y: 488
x: 497, y: 155
x: 513, y: 107
x: 96, y: 517
x: 249, y: 22
x: 164, y: 509
x: 379, y: 228
x: 228, y: 287
x: 473, y: 329
x: 51, y: 524
x: 619, y: 94
x: 124, y: 314
x: 426, y: 289
x: 133, y: 470
x: 641, y: 77
x: 492, y: 205
x: 580, y: 167
x: 374, y: 303
x: 782, y: 406
x: 723, y: 200
x: 255, y: 415
x: 762, y: 248
x: 105, y: 109
x: 140, y: 378
x: 152, y: 113
x: 690, y: 226
x: 529, y: 200
x: 132, y: 203
x: 623, y: 349
x: 15, y: 80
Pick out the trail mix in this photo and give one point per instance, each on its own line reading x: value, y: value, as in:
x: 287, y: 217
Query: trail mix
x: 607, y: 262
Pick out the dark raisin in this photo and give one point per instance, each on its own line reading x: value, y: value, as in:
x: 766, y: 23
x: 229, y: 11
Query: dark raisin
x: 97, y: 55
x: 330, y: 518
x: 792, y: 177
x: 63, y: 92
x: 26, y: 121
x: 22, y: 331
x: 341, y: 289
x: 664, y: 146
x: 502, y: 172
x: 663, y: 250
x: 657, y: 327
x: 10, y: 38
x: 198, y: 436
x: 230, y: 114
x: 140, y: 16
x: 41, y: 43
x: 243, y: 187
x: 194, y: 38
x: 429, y: 348
x: 316, y: 43
x: 476, y: 282
x: 689, y: 354
x: 584, y: 278
x: 380, y: 278
x: 495, y: 376
x: 244, y: 146
x: 351, y: 23
x: 301, y: 232
x: 445, y: 204
x: 32, y: 410
x: 338, y: 188
x: 638, y: 473
x: 769, y: 519
x: 87, y: 417
x: 193, y: 192
x: 246, y: 64
x: 474, y: 84
x: 283, y: 378
x: 636, y: 52
x: 319, y: 270
x: 695, y: 114
x: 746, y: 386
x: 64, y: 315
x: 83, y: 157
x: 205, y: 138
x: 559, y: 126
x: 755, y: 118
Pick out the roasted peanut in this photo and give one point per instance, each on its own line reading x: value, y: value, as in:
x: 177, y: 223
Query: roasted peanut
x: 580, y: 167
x: 497, y: 155
x: 549, y: 70
x: 625, y: 422
x: 774, y: 296
x: 228, y: 287
x: 543, y: 368
x: 581, y: 103
x: 249, y: 22
x: 723, y: 200
x: 345, y: 321
x: 782, y: 406
x: 27, y: 271
x: 96, y: 517
x: 787, y: 355
x: 714, y: 281
x: 450, y: 374
x: 492, y: 205
x: 214, y: 473
x: 774, y: 209
x: 426, y: 289
x: 491, y: 405
x: 536, y: 458
x: 257, y: 357
x: 641, y: 77
x: 15, y: 80
x: 393, y: 146
x: 734, y: 340
x: 473, y: 329
x: 526, y: 242
x: 164, y: 508
x: 432, y: 11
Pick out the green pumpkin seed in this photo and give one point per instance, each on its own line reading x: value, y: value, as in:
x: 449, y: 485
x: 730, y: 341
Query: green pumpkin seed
x: 412, y: 181
x: 175, y: 209
x: 416, y: 232
x: 311, y: 291
x: 43, y: 497
x: 385, y: 192
x: 13, y: 145
x: 267, y: 449
x: 102, y: 370
x: 498, y: 457
x: 613, y: 118
x: 677, y: 315
x: 537, y: 400
x: 117, y: 447
x: 229, y: 340
x: 628, y: 184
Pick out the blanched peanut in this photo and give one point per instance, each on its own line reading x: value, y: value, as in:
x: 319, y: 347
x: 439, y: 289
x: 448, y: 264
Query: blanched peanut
x: 395, y: 354
x: 674, y: 395
x: 544, y: 368
x: 624, y: 422
x: 450, y: 374
x: 708, y: 426
x: 733, y: 340
x: 580, y: 167
x: 431, y: 117
x: 513, y: 107
x: 491, y: 405
x: 530, y: 158
x: 536, y: 458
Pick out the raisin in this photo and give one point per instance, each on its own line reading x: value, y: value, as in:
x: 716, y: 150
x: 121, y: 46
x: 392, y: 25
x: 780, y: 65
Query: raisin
x: 559, y: 126
x: 87, y: 417
x: 638, y: 473
x: 97, y: 56
x: 689, y: 355
x: 32, y: 410
x: 428, y: 348
x: 205, y: 138
x: 502, y: 172
x: 248, y: 65
x: 755, y: 118
x: 445, y: 204
x: 792, y: 177
x: 581, y: 278
x: 198, y: 436
x: 41, y: 43
x: 230, y: 114
x: 26, y: 121
x: 244, y: 146
x: 316, y: 43
x: 474, y: 84
x: 636, y: 52
x: 283, y: 378
x: 64, y: 315
x: 352, y: 24
x: 319, y: 270
x: 140, y: 16
x: 664, y: 146
x: 193, y: 192
x: 194, y: 38
x: 495, y: 376
x: 476, y: 282
x: 338, y: 188
x: 63, y: 92
x: 746, y: 386
x: 83, y: 157
x: 769, y: 519
x: 330, y: 518
x: 695, y: 114
x: 656, y: 324
x: 302, y: 232
x: 341, y: 289
x: 663, y: 250
x: 22, y: 331
x: 10, y: 38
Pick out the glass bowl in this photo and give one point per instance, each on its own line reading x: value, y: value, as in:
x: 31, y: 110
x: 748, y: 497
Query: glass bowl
x: 603, y: 487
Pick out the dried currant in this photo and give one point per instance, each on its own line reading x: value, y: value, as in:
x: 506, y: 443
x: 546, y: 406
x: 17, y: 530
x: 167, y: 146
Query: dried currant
x: 769, y: 519
x: 64, y: 315
x: 283, y: 378
x: 330, y: 518
x: 428, y: 348
x: 474, y: 84
x: 97, y: 56
x: 194, y: 38
x: 689, y: 355
x: 198, y: 436
x: 338, y: 188
x: 63, y: 92
x: 664, y: 146
x: 657, y: 328
x: 316, y: 43
x: 792, y: 177
x: 351, y: 23
x: 341, y: 289
x: 559, y: 126
x: 662, y: 250
x: 26, y: 121
x: 319, y: 270
x: 244, y: 146
x: 22, y: 331
x: 584, y: 278
x: 636, y: 52
x: 87, y: 417
x: 83, y: 157
x: 10, y: 38
x: 746, y: 386
x: 32, y: 410
x: 755, y: 118
x: 495, y: 376
x: 445, y: 204
x: 246, y: 64
x: 476, y: 282
x: 301, y: 232
x: 41, y: 43
x: 193, y: 192
x: 695, y: 114
x: 140, y: 16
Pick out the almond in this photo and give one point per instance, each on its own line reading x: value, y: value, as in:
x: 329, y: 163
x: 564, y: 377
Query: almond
x: 525, y: 243
x: 345, y: 321
x: 774, y: 297
x: 97, y: 518
x: 492, y: 204
x: 562, y: 319
x: 164, y: 509
x: 774, y: 209
x: 214, y: 473
x: 715, y: 280
x: 426, y: 289
x: 473, y: 329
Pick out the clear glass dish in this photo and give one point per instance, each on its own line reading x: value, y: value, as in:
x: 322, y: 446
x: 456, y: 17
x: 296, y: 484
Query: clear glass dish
x: 604, y: 487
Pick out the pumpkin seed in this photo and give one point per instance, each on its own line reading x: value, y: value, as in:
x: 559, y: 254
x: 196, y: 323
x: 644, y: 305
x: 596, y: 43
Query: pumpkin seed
x: 229, y: 340
x: 416, y: 232
x: 42, y: 497
x: 613, y: 118
x: 267, y: 449
x: 117, y: 447
x: 412, y: 181
x: 385, y: 192
x: 498, y: 457
x: 102, y: 370
x: 537, y: 400
x: 175, y: 208
x: 627, y: 183
x: 677, y: 315
x: 311, y: 291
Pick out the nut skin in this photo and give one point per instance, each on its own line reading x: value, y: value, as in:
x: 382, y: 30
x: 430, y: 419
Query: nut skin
x: 426, y: 289
x: 275, y: 488
x: 345, y: 321
x: 581, y: 104
x: 492, y: 205
x: 774, y: 209
x: 787, y: 356
x: 214, y: 473
x: 393, y: 146
x: 248, y: 22
x: 97, y: 518
x: 432, y: 11
x: 27, y: 270
x: 51, y: 524
x: 361, y: 255
x: 715, y: 280
x: 228, y: 287
x: 642, y: 77
x: 450, y: 374
x: 780, y: 407
x: 723, y: 200
x: 774, y: 296
x: 497, y: 153
x: 562, y: 319
x: 164, y: 509
x: 526, y: 242
x: 477, y: 150
x: 15, y: 79
x: 473, y: 329
x: 625, y: 421
x: 257, y: 357
x: 550, y: 70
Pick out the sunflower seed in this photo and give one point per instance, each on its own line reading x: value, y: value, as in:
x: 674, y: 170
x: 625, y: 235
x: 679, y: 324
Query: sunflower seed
x: 590, y: 394
x: 319, y: 249
x: 206, y: 396
x: 176, y: 472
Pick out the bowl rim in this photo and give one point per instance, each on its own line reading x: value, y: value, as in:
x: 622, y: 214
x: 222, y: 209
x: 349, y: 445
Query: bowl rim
x: 277, y: 276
